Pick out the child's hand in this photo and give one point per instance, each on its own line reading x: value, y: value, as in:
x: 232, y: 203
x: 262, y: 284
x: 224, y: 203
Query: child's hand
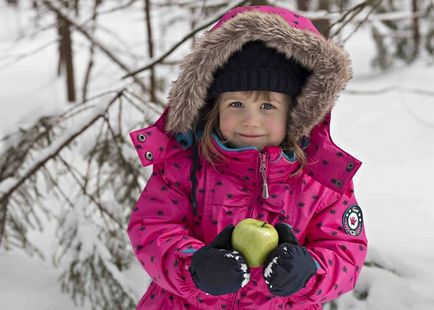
x: 289, y: 266
x: 217, y: 269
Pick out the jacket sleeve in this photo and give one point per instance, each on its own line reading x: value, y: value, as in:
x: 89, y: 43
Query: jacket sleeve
x: 336, y: 239
x: 159, y: 233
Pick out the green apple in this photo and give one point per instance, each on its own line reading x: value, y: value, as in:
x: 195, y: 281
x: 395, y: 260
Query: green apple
x: 254, y: 239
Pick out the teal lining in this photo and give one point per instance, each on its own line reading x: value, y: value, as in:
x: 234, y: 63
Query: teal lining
x: 189, y: 251
x: 186, y: 140
x: 290, y: 156
x: 238, y: 149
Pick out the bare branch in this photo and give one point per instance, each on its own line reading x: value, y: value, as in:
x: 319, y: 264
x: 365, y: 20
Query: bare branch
x: 354, y: 11
x: 150, y: 47
x: 390, y: 16
x: 108, y: 11
x: 17, y: 58
x: 95, y: 41
x: 363, y: 21
x: 422, y: 92
x: 91, y: 53
x: 202, y: 26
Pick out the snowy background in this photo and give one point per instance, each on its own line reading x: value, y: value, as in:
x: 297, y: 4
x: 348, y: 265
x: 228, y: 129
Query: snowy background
x: 385, y: 119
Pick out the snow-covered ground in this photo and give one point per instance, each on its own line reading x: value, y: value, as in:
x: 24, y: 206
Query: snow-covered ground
x: 391, y: 132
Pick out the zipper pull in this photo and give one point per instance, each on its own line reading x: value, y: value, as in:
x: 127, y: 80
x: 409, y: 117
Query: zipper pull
x: 262, y: 168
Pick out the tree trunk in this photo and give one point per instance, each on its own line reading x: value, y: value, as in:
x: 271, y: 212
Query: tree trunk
x: 60, y: 46
x: 68, y: 58
x: 303, y: 5
x: 192, y: 26
x: 259, y: 2
x: 76, y: 7
x: 3, y: 213
x: 150, y: 49
x: 12, y: 2
x: 323, y: 24
x: 66, y: 54
x: 416, y: 30
x: 91, y: 52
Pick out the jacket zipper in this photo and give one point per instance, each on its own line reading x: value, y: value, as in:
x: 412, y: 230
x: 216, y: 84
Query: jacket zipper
x: 265, y: 195
x: 263, y: 170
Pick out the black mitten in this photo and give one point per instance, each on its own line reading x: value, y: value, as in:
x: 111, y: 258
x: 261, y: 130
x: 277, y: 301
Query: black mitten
x: 217, y: 269
x: 289, y: 266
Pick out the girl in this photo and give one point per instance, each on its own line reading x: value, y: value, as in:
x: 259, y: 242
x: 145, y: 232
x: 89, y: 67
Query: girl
x: 246, y: 135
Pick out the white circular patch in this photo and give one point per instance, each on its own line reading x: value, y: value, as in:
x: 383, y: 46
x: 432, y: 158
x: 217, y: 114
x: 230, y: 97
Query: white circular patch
x: 352, y: 220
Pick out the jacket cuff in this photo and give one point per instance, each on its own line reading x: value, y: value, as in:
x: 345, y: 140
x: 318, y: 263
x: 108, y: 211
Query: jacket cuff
x: 306, y: 294
x: 187, y: 287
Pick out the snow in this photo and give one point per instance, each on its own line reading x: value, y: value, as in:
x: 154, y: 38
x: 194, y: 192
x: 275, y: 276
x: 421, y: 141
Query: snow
x: 391, y: 132
x: 269, y: 269
x: 28, y: 283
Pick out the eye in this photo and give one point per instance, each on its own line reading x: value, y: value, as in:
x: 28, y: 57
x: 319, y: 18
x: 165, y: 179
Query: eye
x: 267, y: 106
x: 236, y: 104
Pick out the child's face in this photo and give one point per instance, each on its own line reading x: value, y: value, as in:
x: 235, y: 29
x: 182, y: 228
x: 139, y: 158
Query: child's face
x: 253, y: 120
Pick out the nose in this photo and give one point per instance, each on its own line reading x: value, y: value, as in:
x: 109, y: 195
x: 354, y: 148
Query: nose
x: 251, y: 119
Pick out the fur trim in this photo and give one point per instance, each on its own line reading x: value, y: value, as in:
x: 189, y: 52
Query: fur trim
x: 329, y: 63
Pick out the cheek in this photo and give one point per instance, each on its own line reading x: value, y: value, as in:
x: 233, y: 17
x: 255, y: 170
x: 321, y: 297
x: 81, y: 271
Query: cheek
x: 280, y: 131
x: 226, y: 122
x: 278, y: 127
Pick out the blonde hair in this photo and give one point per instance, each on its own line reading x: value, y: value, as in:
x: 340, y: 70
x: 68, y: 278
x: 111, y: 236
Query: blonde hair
x: 209, y: 119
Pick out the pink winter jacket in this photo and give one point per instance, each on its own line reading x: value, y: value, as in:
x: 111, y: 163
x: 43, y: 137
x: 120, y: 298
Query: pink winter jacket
x: 319, y: 203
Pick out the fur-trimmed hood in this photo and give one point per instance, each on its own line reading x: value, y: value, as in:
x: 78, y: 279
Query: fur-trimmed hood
x: 287, y: 32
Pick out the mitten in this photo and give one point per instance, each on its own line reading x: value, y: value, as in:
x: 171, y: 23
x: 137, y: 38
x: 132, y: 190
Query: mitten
x: 289, y: 266
x: 217, y: 269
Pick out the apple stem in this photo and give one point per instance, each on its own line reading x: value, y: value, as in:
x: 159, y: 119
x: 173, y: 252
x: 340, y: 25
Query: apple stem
x: 265, y: 223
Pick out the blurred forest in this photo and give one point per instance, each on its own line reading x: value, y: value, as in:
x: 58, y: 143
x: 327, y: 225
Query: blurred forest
x: 81, y: 157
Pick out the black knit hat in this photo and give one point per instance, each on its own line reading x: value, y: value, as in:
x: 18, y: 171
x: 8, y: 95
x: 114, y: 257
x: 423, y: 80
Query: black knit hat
x: 259, y: 67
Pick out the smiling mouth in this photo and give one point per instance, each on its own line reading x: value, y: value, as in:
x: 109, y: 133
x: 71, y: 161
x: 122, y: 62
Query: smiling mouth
x: 250, y: 136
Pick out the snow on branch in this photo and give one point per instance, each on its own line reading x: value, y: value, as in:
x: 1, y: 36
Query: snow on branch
x: 91, y: 264
x: 11, y: 184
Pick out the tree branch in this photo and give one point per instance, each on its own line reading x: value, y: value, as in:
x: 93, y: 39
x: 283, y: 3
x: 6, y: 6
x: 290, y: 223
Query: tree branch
x: 363, y: 21
x: 9, y: 187
x: 83, y: 188
x: 388, y: 89
x: 93, y: 40
x: 205, y: 24
x: 354, y: 11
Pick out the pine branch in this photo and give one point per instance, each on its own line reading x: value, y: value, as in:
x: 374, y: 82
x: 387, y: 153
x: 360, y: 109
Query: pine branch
x: 7, y: 189
x: 91, y: 198
x: 92, y: 262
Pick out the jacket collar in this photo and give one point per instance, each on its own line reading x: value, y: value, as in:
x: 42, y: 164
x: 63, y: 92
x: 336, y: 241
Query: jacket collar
x: 246, y: 160
x: 327, y: 163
